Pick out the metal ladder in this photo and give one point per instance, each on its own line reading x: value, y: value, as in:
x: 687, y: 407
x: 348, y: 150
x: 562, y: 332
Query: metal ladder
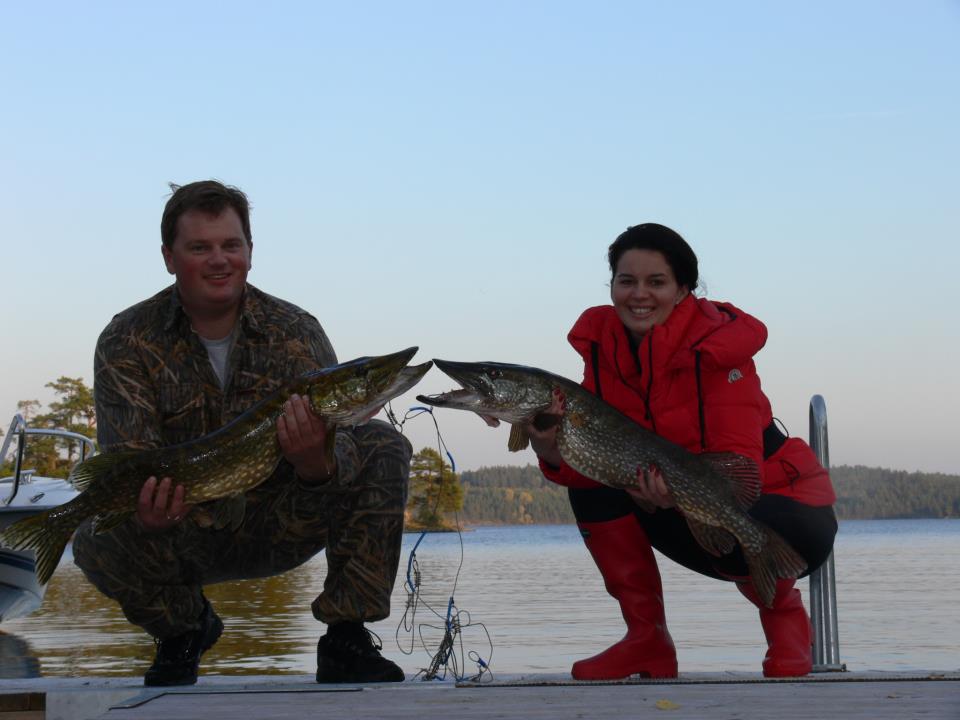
x: 823, y: 582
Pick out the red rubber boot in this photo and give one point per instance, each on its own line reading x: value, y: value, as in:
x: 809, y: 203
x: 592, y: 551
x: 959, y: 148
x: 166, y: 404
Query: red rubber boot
x: 622, y: 552
x: 787, y: 628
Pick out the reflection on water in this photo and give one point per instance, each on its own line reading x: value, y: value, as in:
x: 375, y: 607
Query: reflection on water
x: 17, y: 658
x: 537, y: 593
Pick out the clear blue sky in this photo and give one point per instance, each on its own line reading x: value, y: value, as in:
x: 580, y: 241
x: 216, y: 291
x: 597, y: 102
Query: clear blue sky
x: 450, y: 175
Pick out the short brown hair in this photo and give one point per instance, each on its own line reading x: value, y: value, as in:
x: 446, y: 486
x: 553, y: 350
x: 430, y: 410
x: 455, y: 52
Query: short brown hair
x: 209, y: 196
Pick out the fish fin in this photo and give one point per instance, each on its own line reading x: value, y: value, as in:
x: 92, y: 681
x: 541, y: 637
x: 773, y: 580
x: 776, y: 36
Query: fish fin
x: 237, y: 506
x: 46, y: 536
x: 329, y: 445
x: 202, y: 516
x: 227, y: 512
x: 85, y: 473
x: 715, y: 540
x: 778, y: 560
x: 519, y: 440
x: 108, y: 521
x: 741, y: 472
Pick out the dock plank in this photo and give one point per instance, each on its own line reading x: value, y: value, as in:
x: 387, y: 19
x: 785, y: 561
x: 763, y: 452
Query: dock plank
x: 930, y: 695
x: 757, y: 700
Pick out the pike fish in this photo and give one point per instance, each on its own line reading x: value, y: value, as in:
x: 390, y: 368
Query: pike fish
x: 223, y: 464
x: 712, y: 490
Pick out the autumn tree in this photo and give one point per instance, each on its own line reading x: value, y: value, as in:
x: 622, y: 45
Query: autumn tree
x: 434, y: 490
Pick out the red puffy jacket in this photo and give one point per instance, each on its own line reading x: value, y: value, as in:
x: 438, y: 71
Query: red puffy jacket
x: 692, y: 380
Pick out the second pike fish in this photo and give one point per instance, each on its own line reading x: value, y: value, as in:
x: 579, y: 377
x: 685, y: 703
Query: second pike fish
x: 713, y: 491
x: 225, y: 463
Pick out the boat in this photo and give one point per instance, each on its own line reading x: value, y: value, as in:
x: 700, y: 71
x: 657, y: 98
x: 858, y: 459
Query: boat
x: 23, y: 494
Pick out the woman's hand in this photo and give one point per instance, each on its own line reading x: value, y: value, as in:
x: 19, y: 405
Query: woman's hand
x: 542, y: 431
x: 157, y: 509
x: 651, y: 491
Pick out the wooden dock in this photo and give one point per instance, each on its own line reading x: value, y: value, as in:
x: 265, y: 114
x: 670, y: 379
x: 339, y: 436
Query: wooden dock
x: 717, y: 696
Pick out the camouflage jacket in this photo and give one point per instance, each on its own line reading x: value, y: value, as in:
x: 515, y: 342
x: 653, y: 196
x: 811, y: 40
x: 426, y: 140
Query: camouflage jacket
x: 153, y: 381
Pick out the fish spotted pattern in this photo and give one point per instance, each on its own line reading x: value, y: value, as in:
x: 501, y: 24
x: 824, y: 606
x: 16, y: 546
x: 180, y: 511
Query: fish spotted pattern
x: 223, y: 464
x: 713, y: 491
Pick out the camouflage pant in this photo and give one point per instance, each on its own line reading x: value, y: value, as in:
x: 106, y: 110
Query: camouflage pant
x: 357, y: 517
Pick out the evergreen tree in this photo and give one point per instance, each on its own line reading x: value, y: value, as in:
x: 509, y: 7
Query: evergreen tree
x: 74, y: 411
x: 434, y: 490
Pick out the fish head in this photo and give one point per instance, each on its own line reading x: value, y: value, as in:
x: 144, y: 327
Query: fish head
x: 512, y: 393
x: 350, y: 392
x: 405, y: 379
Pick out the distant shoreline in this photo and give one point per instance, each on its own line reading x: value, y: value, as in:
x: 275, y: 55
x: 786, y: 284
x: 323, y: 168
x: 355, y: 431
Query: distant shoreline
x: 520, y: 495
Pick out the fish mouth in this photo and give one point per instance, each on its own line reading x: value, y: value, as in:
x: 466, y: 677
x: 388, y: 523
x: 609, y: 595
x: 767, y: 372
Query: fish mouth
x: 390, y: 374
x: 393, y: 361
x: 470, y: 375
x: 473, y: 391
x: 405, y: 355
x: 404, y: 379
x: 408, y: 377
x: 453, y: 398
x: 382, y: 369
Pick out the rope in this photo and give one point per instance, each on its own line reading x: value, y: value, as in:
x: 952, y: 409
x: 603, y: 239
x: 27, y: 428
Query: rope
x: 450, y: 655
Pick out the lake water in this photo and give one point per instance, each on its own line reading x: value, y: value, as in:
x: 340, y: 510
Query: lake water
x: 529, y: 600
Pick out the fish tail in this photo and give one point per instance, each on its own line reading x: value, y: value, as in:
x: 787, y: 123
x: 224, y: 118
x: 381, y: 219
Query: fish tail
x: 777, y: 560
x: 46, y: 534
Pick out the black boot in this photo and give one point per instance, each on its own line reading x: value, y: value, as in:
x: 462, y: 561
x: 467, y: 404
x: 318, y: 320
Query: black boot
x: 178, y: 658
x: 348, y: 653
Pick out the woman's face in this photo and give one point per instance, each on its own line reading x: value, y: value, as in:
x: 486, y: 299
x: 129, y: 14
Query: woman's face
x: 644, y: 290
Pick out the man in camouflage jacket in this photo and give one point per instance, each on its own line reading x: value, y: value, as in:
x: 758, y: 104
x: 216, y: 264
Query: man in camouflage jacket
x: 188, y: 361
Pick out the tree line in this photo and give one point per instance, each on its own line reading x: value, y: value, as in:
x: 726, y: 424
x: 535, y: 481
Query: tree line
x: 876, y: 493
x: 514, y: 495
x: 522, y: 495
x: 502, y: 494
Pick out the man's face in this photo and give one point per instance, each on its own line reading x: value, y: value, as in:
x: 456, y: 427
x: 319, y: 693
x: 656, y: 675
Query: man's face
x: 211, y: 258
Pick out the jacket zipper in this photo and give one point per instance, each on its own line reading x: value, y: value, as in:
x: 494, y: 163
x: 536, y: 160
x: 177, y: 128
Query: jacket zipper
x: 653, y: 423
x: 703, y: 418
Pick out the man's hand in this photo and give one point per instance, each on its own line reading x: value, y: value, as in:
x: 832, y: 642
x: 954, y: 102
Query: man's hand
x: 652, y: 490
x: 303, y: 440
x: 157, y: 509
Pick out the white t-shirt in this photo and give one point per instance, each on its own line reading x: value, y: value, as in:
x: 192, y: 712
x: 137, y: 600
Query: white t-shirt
x: 218, y: 351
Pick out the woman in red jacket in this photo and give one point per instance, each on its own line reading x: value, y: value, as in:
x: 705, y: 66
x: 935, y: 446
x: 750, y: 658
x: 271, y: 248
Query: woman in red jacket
x: 682, y: 367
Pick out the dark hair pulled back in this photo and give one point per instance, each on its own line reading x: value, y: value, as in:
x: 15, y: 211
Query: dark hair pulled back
x: 653, y: 236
